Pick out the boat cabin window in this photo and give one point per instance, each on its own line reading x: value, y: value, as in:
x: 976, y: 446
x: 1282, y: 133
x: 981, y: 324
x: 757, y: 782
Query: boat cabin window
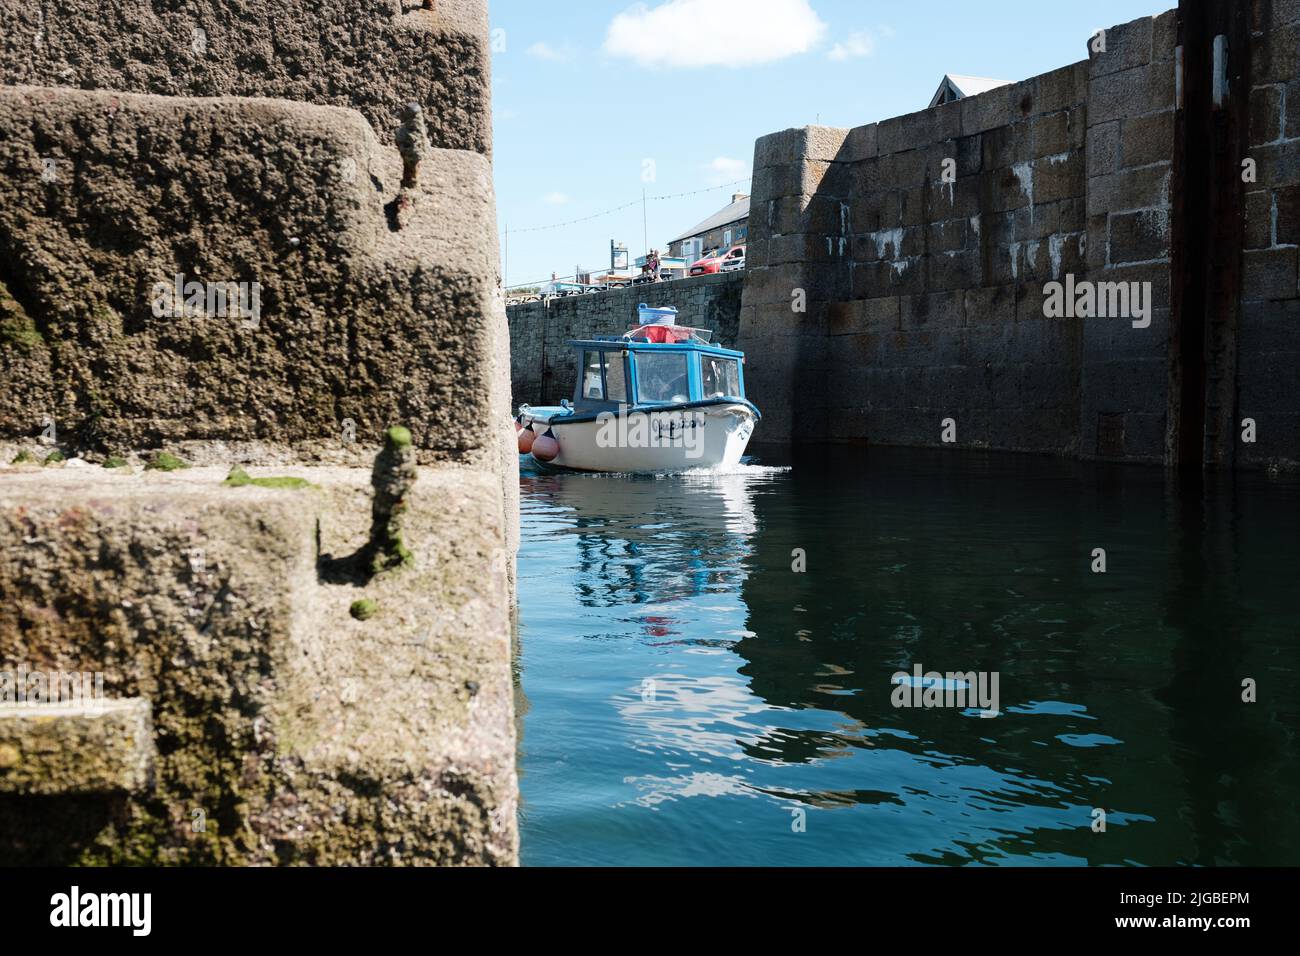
x: 616, y: 377
x: 662, y: 378
x: 592, y: 385
x: 721, y: 377
x: 604, y: 376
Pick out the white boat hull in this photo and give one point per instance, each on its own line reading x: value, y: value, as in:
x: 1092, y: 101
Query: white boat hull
x: 668, y: 439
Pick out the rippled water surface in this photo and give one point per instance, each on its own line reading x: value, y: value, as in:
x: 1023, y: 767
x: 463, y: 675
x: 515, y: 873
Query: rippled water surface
x: 686, y: 697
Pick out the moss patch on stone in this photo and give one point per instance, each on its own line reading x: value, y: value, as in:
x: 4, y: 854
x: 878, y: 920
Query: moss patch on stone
x: 238, y: 478
x: 23, y: 457
x: 114, y: 461
x: 393, y: 475
x: 55, y: 457
x: 164, y: 461
x: 363, y: 609
x: 20, y: 331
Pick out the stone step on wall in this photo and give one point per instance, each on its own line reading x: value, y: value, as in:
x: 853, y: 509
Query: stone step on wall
x: 105, y: 195
x: 302, y: 734
x: 373, y: 56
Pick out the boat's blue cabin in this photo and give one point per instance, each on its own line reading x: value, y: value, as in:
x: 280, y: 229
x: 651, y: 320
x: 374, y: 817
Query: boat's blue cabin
x: 614, y: 372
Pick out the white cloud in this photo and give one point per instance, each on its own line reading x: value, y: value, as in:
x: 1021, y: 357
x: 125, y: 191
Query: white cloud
x: 725, y: 170
x: 544, y: 51
x: 856, y: 45
x: 555, y: 199
x: 694, y: 33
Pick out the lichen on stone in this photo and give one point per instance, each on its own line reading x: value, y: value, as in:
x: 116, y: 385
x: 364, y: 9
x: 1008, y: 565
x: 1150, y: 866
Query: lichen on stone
x: 363, y: 609
x: 163, y: 461
x: 21, y: 331
x: 238, y: 478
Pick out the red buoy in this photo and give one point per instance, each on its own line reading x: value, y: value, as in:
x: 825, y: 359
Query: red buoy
x: 526, y: 438
x: 546, y: 447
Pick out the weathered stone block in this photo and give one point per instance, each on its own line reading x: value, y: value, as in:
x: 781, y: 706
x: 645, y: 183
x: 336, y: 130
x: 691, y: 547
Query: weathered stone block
x: 1286, y: 203
x: 953, y: 270
x: 985, y: 111
x: 946, y: 236
x: 1259, y: 219
x: 1143, y: 89
x: 941, y: 310
x: 1103, y: 148
x: 1037, y: 222
x: 1273, y: 13
x: 1001, y: 146
x: 990, y: 305
x: 1266, y: 114
x: 356, y: 321
x: 1006, y: 189
x: 1277, y: 60
x: 1061, y: 89
x: 92, y: 746
x: 1130, y: 189
x: 1269, y: 274
x: 1164, y: 36
x: 861, y: 143
x: 1050, y: 134
x: 1148, y: 139
x: 1139, y: 236
x: 369, y: 55
x: 1128, y: 45
x: 864, y: 315
x: 305, y: 735
x: 1059, y: 177
x: 1278, y: 164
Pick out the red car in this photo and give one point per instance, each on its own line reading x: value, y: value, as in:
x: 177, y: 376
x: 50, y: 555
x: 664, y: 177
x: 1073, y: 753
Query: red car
x: 711, y: 264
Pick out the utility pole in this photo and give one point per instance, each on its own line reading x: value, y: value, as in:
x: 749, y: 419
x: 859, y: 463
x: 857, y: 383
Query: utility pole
x: 505, y: 266
x: 645, y: 231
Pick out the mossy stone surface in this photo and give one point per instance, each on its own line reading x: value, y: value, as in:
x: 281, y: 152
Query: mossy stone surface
x: 163, y: 461
x: 238, y: 478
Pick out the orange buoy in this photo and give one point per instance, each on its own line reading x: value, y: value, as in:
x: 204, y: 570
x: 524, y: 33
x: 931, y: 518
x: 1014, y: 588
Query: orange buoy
x: 526, y: 438
x: 546, y: 447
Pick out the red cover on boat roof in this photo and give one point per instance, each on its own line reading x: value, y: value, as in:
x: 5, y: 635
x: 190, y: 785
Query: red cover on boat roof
x: 661, y: 334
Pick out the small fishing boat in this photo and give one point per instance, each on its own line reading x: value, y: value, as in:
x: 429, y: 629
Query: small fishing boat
x: 658, y: 398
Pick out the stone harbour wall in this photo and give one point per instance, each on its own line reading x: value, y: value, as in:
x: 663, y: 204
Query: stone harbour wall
x: 275, y: 521
x: 899, y: 272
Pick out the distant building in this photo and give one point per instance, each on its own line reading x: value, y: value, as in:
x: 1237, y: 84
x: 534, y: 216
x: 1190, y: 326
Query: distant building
x: 957, y: 87
x: 725, y: 228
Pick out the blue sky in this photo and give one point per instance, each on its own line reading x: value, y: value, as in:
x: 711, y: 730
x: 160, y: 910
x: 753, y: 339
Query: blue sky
x: 588, y: 94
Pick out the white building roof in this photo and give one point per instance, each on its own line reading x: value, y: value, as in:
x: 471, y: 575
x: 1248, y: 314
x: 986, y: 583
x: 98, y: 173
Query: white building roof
x: 964, y: 86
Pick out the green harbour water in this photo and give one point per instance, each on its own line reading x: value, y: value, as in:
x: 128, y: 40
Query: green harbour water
x: 687, y: 698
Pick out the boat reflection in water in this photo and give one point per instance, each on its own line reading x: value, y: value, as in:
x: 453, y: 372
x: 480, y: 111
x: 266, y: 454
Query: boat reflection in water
x: 697, y: 698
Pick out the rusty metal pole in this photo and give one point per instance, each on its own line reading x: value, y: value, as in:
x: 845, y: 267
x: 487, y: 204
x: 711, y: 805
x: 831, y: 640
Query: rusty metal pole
x: 1211, y: 134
